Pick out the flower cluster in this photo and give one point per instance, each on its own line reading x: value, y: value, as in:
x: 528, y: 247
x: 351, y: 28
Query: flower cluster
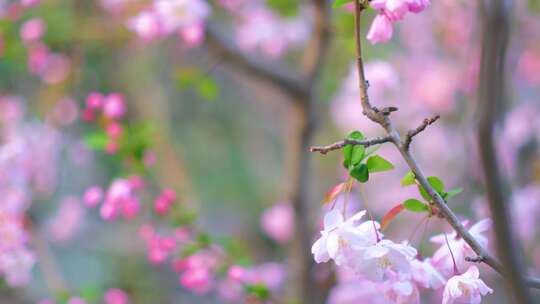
x: 260, y: 28
x: 51, y: 67
x: 28, y: 154
x: 390, y: 11
x: 185, y: 18
x: 394, y: 268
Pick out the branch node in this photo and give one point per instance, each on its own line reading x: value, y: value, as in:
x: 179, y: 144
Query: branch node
x: 412, y: 133
x: 476, y: 259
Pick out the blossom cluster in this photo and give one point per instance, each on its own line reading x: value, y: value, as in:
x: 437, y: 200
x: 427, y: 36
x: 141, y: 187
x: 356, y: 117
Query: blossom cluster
x: 395, y: 269
x: 185, y: 18
x: 389, y: 12
x: 51, y: 67
x: 258, y: 28
x: 28, y: 154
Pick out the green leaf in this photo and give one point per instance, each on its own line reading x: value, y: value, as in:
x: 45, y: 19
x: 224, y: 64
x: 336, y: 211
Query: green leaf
x: 96, y: 140
x: 372, y: 150
x: 340, y: 3
x: 378, y: 164
x: 415, y: 205
x: 360, y: 173
x: 258, y: 290
x: 408, y: 179
x: 353, y: 154
x: 285, y: 8
x: 437, y: 185
x: 208, y: 89
x: 453, y: 193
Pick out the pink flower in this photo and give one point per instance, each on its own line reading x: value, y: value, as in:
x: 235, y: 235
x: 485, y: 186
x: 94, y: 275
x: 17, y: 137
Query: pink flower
x: 116, y: 296
x: 192, y: 35
x: 197, y: 280
x: 442, y: 258
x: 146, y: 25
x: 164, y: 201
x: 120, y: 199
x: 416, y: 6
x: 30, y: 3
x: 114, y: 130
x: 92, y: 196
x: 465, y: 288
x: 278, y: 222
x: 16, y: 266
x: 32, y: 30
x: 76, y: 300
x: 426, y: 275
x: 394, y: 9
x: 114, y: 106
x: 236, y: 273
x: 94, y: 101
x: 380, y: 30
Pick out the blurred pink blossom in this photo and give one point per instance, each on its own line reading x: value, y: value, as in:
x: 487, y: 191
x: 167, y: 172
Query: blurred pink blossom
x: 278, y: 222
x: 116, y: 296
x: 32, y: 30
x: 114, y: 106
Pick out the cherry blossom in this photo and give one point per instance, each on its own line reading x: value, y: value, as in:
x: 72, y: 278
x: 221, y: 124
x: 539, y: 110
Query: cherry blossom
x: 278, y: 222
x: 442, y: 258
x: 425, y: 275
x: 465, y: 288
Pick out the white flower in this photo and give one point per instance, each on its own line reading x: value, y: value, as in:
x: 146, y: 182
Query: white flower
x: 401, y: 291
x: 426, y: 275
x: 375, y: 261
x: 177, y: 14
x: 340, y: 238
x: 465, y: 288
x: 442, y: 258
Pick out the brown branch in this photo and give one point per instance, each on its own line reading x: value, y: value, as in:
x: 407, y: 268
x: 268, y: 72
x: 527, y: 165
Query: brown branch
x: 276, y: 74
x: 340, y: 144
x: 496, y: 31
x: 386, y: 123
x: 422, y: 127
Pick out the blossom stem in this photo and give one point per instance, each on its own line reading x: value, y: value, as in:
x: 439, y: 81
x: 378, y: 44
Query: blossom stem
x: 456, y: 271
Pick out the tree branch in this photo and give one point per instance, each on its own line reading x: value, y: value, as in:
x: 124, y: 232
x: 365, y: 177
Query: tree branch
x: 422, y: 127
x: 275, y: 74
x: 340, y: 144
x: 386, y: 123
x: 496, y: 31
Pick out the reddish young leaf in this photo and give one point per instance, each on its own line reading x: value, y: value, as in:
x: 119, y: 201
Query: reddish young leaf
x: 333, y: 193
x: 390, y: 215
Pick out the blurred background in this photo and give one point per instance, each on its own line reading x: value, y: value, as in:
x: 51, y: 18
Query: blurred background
x: 232, y: 145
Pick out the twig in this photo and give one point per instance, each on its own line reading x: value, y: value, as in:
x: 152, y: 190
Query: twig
x: 422, y: 127
x: 340, y: 144
x: 386, y: 123
x: 276, y: 74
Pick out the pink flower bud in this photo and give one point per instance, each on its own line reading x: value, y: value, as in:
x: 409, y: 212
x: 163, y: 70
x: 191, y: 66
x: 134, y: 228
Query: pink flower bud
x: 108, y: 211
x: 136, y: 182
x: 94, y: 100
x: 88, y: 115
x: 236, y: 273
x: 114, y: 130
x: 161, y: 206
x: 278, y: 222
x: 169, y: 195
x: 32, y: 30
x: 93, y: 196
x: 131, y: 208
x: 196, y: 280
x: 114, y: 106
